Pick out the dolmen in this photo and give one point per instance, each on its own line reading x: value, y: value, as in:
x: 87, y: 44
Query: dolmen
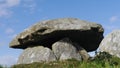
x: 58, y: 40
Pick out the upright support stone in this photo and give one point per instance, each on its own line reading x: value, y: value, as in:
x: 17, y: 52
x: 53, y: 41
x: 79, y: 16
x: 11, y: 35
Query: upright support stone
x: 36, y: 54
x: 66, y: 49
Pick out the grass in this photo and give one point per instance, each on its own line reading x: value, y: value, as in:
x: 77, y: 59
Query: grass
x: 103, y: 60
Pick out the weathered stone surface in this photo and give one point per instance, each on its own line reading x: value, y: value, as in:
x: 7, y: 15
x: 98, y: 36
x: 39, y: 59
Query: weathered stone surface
x: 36, y: 54
x: 45, y: 33
x: 66, y: 49
x: 111, y: 43
x: 84, y: 54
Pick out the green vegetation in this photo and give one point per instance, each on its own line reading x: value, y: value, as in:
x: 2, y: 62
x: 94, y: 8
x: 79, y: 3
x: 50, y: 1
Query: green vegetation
x: 103, y: 60
x: 1, y: 66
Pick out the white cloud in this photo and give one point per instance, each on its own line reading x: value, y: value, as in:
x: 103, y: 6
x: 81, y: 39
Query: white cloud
x: 4, y: 12
x: 8, y: 60
x: 30, y: 6
x: 5, y: 6
x: 9, y: 31
x: 2, y: 43
x: 11, y: 3
x: 110, y: 27
x: 2, y: 25
x: 113, y: 18
x: 12, y: 36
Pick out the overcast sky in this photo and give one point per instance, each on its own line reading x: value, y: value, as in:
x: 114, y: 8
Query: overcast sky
x: 16, y: 15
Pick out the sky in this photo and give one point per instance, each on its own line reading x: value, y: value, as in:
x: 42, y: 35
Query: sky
x: 17, y: 15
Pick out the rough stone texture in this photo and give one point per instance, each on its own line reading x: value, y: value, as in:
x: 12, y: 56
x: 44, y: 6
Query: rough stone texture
x: 66, y: 49
x: 36, y: 54
x: 83, y: 53
x: 111, y: 43
x: 45, y: 33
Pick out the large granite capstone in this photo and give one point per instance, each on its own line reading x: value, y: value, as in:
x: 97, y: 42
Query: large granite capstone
x: 45, y: 33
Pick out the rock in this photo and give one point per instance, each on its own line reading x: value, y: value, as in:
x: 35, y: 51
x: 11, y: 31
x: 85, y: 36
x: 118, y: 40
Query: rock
x: 45, y: 33
x: 36, y: 54
x: 66, y: 49
x: 83, y: 53
x: 111, y: 43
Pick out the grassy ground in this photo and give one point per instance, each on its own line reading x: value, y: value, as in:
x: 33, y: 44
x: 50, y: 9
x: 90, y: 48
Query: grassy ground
x: 103, y: 60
